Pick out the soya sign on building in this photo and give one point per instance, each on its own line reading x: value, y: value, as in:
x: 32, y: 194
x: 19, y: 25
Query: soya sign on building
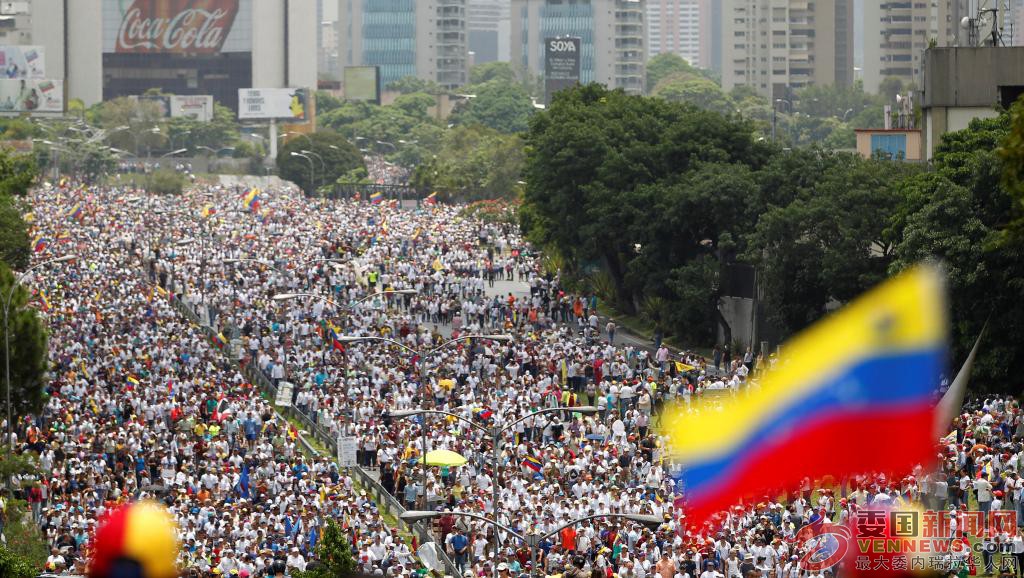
x: 169, y: 26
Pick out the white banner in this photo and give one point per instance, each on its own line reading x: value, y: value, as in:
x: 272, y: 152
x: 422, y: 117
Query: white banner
x: 22, y: 62
x: 267, y: 103
x: 347, y: 448
x: 28, y: 95
x: 284, y: 394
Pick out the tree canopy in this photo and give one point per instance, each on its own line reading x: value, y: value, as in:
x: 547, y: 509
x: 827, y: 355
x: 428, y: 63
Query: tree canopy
x: 646, y: 200
x: 332, y: 156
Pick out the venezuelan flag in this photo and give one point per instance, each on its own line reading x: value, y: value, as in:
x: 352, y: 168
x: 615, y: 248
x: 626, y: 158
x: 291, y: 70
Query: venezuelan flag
x: 133, y: 380
x: 532, y: 463
x: 44, y: 300
x: 207, y: 211
x: 39, y: 244
x: 376, y: 198
x: 218, y: 340
x: 853, y: 394
x: 76, y: 213
x: 252, y: 199
x: 431, y: 198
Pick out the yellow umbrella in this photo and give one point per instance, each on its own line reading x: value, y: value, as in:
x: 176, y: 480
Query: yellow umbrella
x: 444, y: 458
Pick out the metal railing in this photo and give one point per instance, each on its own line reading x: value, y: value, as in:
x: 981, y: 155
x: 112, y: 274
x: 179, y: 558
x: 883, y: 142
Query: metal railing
x: 385, y: 500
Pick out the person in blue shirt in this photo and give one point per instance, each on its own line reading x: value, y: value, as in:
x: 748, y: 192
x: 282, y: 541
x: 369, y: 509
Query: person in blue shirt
x: 459, y: 545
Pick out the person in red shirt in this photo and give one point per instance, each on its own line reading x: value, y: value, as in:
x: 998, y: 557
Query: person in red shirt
x: 568, y: 535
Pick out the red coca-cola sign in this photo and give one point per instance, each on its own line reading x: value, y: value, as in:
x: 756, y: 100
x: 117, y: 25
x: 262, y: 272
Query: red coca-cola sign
x: 176, y: 26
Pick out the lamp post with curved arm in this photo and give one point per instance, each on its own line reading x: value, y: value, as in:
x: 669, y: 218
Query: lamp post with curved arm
x: 7, y: 340
x: 531, y: 540
x: 495, y: 433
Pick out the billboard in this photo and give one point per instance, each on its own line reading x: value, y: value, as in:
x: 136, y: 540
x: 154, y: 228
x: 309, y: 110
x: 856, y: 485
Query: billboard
x: 175, y: 26
x: 561, y: 65
x: 31, y: 95
x: 265, y: 103
x: 22, y: 62
x: 362, y: 83
x: 196, y: 106
x: 199, y: 107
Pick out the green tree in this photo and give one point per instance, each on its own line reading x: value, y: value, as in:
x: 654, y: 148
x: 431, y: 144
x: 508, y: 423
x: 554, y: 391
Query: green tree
x: 603, y: 169
x: 28, y: 349
x: 699, y: 92
x: 338, y: 156
x: 334, y: 555
x: 14, y: 241
x: 1012, y: 154
x: 130, y: 124
x: 825, y: 235
x: 889, y: 88
x: 326, y: 102
x: 958, y: 214
x: 17, y: 172
x: 666, y: 65
x: 410, y: 84
x: 499, y: 104
x: 474, y: 162
x: 488, y: 71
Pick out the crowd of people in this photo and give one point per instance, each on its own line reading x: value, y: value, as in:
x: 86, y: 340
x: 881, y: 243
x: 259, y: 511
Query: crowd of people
x: 556, y: 415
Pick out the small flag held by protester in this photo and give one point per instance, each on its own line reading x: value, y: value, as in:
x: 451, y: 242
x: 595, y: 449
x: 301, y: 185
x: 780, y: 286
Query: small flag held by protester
x: 532, y: 463
x: 431, y: 199
x: 40, y: 243
x: 207, y: 211
x: 865, y: 374
x: 376, y: 198
x: 218, y: 340
x: 76, y: 213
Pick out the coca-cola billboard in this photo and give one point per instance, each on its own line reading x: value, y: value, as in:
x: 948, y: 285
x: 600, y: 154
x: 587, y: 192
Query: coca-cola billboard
x: 175, y: 26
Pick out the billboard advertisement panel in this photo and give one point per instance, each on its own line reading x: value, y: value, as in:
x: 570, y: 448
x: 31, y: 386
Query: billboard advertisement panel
x: 196, y: 106
x: 561, y: 65
x: 31, y: 95
x: 199, y: 107
x: 362, y: 83
x: 266, y: 103
x: 22, y: 62
x: 176, y: 26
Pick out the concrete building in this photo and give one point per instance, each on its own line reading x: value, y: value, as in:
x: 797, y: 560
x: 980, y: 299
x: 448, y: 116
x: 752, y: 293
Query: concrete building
x: 961, y: 84
x: 102, y: 49
x: 489, y: 27
x: 422, y: 38
x: 776, y: 46
x: 681, y: 27
x: 896, y: 34
x: 897, y: 144
x: 613, y: 40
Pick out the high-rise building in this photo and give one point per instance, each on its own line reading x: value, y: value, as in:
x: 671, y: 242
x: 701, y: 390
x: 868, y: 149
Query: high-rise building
x: 103, y: 49
x: 897, y: 33
x: 613, y: 41
x: 488, y: 25
x: 775, y: 46
x: 676, y: 26
x: 422, y: 38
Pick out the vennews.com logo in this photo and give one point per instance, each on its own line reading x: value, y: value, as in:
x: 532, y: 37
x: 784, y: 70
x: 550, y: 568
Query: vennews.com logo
x: 888, y: 540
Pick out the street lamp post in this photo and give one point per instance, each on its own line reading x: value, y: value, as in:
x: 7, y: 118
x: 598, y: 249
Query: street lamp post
x: 495, y: 433
x: 312, y: 181
x: 775, y: 111
x: 323, y: 167
x: 7, y: 340
x: 531, y: 540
